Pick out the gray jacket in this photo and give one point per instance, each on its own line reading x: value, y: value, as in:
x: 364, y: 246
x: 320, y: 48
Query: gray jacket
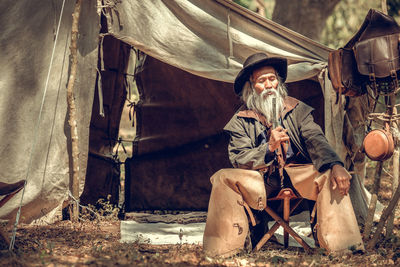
x: 246, y: 149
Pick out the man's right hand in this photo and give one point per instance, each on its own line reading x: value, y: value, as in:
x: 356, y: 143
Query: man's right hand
x: 340, y: 179
x: 277, y: 137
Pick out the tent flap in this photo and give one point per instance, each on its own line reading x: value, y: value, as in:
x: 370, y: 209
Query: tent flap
x: 33, y: 149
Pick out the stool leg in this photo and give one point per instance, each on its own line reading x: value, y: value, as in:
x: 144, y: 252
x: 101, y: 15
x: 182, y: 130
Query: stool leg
x: 266, y: 237
x: 286, y: 213
x: 287, y: 228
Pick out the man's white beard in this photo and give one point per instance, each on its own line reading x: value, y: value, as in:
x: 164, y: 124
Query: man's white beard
x: 263, y: 103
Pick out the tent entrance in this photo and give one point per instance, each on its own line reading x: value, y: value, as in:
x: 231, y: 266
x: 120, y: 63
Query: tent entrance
x: 103, y: 167
x: 179, y: 142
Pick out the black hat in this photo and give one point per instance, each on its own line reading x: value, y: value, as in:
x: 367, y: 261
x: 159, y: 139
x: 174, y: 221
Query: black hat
x: 257, y: 60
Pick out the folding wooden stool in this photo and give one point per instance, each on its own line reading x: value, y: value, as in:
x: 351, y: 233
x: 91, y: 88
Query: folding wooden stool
x: 285, y: 195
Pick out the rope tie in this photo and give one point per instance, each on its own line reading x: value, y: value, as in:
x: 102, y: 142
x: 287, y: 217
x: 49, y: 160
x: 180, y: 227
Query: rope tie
x: 119, y: 143
x: 101, y: 53
x: 100, y: 93
x: 132, y: 108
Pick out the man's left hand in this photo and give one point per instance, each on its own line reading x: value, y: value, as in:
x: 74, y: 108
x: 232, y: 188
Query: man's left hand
x: 341, y: 179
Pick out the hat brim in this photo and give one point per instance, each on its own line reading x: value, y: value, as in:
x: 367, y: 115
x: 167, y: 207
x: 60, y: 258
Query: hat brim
x: 279, y: 64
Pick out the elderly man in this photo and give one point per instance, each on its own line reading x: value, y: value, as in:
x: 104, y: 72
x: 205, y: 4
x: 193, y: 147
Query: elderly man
x: 312, y: 168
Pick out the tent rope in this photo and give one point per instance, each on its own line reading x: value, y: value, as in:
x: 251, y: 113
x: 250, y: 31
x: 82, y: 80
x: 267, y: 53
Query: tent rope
x: 100, y: 93
x: 34, y: 142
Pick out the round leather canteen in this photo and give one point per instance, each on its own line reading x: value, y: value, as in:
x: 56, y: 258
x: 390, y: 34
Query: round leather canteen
x: 378, y: 145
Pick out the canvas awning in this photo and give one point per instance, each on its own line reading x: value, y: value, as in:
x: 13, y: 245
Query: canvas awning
x: 211, y: 38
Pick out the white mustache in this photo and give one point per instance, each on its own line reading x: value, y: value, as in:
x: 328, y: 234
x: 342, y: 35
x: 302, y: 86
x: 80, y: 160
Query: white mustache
x: 268, y: 92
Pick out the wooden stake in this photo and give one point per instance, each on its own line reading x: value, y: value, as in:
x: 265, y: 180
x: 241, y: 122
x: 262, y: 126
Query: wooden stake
x: 395, y: 184
x: 72, y: 109
x: 385, y: 214
x: 374, y: 198
x: 370, y: 217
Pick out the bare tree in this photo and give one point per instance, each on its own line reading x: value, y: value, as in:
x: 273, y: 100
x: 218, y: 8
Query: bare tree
x: 307, y: 17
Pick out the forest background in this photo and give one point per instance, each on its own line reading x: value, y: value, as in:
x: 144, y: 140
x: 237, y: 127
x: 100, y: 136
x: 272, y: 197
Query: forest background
x: 330, y: 22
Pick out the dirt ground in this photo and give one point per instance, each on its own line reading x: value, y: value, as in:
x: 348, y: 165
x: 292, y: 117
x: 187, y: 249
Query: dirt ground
x: 96, y: 243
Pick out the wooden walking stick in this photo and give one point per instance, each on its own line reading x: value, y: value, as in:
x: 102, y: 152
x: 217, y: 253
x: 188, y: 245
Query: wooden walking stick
x: 278, y: 151
x: 281, y: 163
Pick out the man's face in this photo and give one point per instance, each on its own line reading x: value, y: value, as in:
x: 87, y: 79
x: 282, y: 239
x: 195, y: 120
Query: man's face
x: 264, y: 78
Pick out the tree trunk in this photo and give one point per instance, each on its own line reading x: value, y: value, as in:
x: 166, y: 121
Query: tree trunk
x: 72, y: 109
x: 307, y: 17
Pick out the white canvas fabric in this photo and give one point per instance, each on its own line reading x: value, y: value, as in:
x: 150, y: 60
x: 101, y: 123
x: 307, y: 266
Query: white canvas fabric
x: 26, y: 44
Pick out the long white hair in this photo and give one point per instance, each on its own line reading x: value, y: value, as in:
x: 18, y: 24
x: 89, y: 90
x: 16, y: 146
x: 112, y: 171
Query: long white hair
x: 263, y: 103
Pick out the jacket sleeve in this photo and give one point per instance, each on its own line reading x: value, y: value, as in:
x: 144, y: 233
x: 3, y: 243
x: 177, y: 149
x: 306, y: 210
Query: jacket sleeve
x: 321, y: 153
x: 242, y: 149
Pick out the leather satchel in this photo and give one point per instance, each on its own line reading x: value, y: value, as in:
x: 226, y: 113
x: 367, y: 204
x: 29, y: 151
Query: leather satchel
x: 342, y: 70
x: 373, y: 52
x: 378, y: 57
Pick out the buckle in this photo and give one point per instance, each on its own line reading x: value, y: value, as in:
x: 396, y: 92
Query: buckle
x: 372, y: 77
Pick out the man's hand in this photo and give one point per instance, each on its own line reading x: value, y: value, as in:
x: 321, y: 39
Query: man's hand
x: 278, y: 136
x: 341, y: 179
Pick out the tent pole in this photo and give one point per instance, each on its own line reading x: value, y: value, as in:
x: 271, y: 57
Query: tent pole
x: 72, y: 110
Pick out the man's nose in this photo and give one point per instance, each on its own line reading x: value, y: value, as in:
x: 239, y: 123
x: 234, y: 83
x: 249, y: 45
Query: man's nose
x: 268, y: 84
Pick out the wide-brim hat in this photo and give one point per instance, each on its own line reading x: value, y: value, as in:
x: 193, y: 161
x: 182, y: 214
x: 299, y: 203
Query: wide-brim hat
x: 259, y: 60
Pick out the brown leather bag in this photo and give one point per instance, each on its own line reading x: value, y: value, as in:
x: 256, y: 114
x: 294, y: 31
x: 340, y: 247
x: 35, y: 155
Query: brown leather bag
x: 375, y: 54
x: 378, y: 57
x: 342, y: 70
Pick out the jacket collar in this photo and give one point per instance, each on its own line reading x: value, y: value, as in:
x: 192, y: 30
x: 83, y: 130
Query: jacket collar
x: 289, y: 103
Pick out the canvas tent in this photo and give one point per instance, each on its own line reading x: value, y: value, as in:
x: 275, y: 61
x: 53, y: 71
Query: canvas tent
x: 183, y: 55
